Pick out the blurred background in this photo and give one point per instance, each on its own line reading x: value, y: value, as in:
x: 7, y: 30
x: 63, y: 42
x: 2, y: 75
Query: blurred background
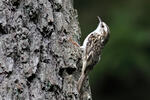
x: 124, y: 70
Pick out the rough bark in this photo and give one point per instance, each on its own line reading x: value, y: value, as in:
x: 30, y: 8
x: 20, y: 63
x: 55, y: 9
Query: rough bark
x: 37, y: 60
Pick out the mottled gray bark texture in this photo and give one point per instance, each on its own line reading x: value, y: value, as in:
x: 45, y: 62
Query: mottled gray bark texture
x: 37, y: 59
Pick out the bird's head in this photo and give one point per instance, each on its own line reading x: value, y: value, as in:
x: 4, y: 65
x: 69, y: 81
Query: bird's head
x: 103, y: 29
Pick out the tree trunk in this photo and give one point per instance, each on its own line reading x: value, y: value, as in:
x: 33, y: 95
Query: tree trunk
x: 38, y: 61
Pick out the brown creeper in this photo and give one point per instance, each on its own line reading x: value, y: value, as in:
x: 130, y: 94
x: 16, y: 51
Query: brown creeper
x: 92, y: 47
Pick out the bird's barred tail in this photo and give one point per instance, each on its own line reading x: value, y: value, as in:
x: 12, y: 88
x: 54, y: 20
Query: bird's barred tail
x: 82, y: 77
x: 80, y: 82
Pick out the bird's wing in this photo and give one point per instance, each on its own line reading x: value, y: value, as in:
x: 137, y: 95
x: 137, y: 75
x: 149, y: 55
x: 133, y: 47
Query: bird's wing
x: 91, y: 45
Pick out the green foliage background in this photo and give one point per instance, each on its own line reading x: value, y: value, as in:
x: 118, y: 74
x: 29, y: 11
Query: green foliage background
x: 124, y: 70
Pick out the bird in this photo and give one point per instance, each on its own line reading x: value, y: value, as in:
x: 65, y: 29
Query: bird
x: 92, y: 48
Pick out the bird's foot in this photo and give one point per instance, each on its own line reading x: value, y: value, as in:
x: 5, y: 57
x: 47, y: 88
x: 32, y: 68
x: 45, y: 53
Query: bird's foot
x: 73, y: 42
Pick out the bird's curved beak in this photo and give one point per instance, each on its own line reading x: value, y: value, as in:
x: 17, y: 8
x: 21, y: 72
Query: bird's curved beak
x: 99, y: 19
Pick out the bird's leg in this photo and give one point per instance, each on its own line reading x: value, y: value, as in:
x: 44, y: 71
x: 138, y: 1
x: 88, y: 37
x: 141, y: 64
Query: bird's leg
x: 73, y: 42
x: 76, y: 44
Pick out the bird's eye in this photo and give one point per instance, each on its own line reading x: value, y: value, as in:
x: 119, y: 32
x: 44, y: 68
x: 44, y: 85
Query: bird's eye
x: 102, y: 26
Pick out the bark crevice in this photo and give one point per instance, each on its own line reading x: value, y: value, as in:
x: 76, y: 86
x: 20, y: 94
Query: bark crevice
x: 37, y: 60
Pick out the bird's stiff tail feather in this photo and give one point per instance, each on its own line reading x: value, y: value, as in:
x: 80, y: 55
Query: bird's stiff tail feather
x: 82, y: 77
x: 80, y: 82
